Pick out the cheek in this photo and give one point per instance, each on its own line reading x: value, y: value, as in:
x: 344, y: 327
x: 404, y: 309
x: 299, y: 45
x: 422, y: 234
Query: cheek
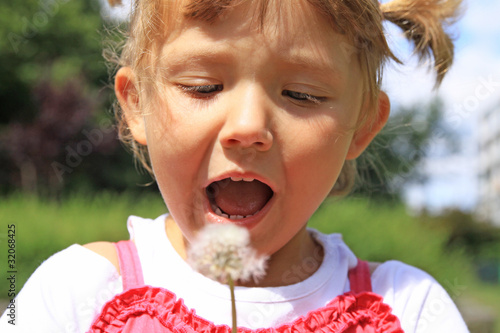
x: 178, y: 146
x: 316, y: 155
x: 323, y: 137
x: 176, y: 134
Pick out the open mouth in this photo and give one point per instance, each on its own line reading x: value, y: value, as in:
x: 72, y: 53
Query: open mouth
x: 238, y: 198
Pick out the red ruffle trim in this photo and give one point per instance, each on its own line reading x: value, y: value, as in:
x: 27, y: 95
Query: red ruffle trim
x: 149, y: 309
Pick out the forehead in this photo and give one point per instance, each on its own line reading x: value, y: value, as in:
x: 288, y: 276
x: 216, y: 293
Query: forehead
x: 293, y: 29
x: 286, y: 18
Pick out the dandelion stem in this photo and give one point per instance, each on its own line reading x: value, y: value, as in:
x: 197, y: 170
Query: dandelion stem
x: 233, y: 305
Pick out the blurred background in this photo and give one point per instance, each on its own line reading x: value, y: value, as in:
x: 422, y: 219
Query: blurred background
x: 429, y: 185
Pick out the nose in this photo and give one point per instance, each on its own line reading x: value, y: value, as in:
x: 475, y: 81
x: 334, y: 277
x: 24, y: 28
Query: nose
x: 247, y: 123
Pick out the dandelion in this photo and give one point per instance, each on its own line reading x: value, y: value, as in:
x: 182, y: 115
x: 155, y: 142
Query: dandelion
x: 222, y: 252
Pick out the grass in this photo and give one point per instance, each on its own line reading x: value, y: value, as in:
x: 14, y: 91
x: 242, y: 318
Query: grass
x: 46, y: 227
x: 374, y: 232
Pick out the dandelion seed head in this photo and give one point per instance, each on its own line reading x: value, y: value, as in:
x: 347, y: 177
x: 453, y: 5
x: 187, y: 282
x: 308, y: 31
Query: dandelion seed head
x: 221, y: 251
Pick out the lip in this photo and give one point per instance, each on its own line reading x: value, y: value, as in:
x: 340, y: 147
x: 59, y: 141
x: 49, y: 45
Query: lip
x: 247, y: 222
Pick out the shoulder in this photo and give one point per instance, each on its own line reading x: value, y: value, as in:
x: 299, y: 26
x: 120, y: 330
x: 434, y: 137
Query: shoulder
x: 394, y: 278
x: 81, y: 259
x: 400, y: 283
x: 67, y: 290
x: 106, y: 250
x: 419, y: 301
x: 394, y: 272
x: 75, y: 267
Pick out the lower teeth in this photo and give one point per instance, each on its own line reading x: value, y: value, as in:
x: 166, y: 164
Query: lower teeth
x: 219, y: 212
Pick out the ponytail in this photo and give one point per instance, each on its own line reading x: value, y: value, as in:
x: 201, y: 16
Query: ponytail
x: 423, y: 22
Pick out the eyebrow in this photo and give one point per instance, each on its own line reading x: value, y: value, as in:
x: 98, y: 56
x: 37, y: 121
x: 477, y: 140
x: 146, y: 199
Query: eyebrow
x: 223, y: 55
x: 196, y: 56
x: 322, y: 68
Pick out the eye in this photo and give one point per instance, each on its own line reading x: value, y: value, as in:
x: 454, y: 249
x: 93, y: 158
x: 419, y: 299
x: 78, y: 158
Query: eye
x: 303, y: 97
x: 203, y: 91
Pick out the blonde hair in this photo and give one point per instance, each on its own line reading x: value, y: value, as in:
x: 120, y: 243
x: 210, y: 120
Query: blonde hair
x: 422, y: 21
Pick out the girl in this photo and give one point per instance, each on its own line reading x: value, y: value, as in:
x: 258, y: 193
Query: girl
x: 251, y: 113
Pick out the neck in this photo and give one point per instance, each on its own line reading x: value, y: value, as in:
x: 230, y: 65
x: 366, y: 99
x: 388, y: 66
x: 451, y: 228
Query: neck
x: 300, y: 258
x: 175, y: 237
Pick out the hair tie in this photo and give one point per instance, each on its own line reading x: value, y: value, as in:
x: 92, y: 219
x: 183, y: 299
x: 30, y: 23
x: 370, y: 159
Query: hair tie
x: 114, y: 3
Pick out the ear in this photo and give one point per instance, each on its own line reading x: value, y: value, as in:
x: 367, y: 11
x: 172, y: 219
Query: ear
x: 367, y: 132
x: 127, y: 92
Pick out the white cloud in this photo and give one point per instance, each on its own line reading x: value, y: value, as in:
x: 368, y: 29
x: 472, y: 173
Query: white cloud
x: 481, y: 18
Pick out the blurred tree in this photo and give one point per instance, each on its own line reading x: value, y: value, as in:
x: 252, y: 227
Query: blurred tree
x: 395, y: 157
x: 466, y: 233
x: 55, y: 129
x: 52, y: 40
x: 42, y: 150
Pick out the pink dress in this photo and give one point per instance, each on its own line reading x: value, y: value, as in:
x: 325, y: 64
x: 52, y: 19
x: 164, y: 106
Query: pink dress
x: 142, y: 308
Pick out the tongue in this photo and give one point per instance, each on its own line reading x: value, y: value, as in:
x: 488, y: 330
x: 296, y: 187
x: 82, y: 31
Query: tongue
x: 241, y: 198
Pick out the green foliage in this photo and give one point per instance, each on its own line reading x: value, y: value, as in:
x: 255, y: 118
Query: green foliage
x: 55, y: 41
x: 53, y: 80
x: 393, y: 158
x: 479, y: 240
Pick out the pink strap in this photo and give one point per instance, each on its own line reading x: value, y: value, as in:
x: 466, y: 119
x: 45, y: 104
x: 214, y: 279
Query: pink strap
x: 360, y: 277
x: 130, y: 265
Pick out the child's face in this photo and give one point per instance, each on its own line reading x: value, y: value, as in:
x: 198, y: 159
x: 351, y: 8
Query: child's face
x: 280, y: 106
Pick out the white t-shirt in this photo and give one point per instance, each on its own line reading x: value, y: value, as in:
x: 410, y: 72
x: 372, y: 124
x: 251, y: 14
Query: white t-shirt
x: 69, y: 289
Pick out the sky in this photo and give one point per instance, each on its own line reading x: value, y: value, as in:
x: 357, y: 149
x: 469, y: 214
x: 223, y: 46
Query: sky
x: 471, y: 87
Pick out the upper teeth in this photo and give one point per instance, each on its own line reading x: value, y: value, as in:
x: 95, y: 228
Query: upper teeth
x: 238, y: 179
